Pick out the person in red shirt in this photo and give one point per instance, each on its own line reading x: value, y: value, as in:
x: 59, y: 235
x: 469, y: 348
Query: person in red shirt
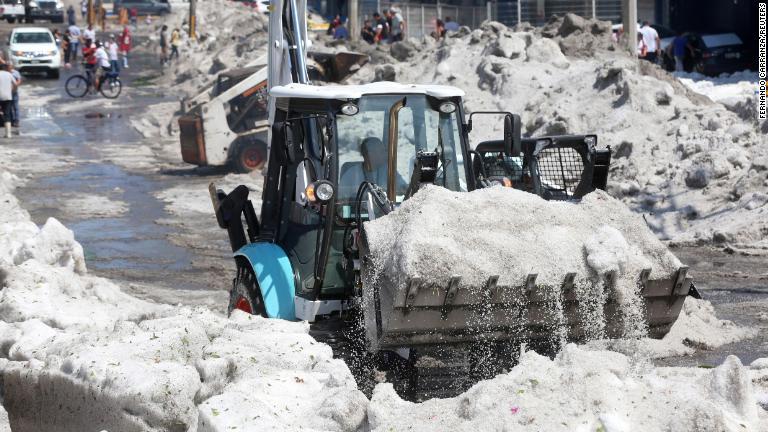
x: 89, y: 59
x: 125, y: 45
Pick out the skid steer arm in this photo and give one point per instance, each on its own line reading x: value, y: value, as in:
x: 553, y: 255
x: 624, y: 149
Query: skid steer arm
x: 230, y: 210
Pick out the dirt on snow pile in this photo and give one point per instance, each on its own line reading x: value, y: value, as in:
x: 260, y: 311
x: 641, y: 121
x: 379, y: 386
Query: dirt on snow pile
x: 78, y: 354
x: 696, y: 170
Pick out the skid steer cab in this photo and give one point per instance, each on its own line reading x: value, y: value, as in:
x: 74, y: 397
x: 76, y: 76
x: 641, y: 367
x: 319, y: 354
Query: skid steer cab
x: 343, y: 155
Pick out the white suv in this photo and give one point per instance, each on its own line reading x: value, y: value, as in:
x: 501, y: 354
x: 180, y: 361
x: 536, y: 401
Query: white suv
x: 33, y: 49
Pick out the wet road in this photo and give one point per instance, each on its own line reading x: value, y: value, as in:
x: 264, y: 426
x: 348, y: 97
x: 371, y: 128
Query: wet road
x: 83, y: 149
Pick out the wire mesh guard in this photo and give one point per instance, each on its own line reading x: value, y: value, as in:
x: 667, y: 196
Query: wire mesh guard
x: 497, y: 165
x: 560, y: 170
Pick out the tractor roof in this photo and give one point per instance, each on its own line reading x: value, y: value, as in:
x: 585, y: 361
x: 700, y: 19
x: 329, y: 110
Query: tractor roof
x: 346, y: 92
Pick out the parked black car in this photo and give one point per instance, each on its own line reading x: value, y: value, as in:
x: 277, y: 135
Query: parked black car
x: 47, y: 10
x: 144, y: 7
x: 712, y: 54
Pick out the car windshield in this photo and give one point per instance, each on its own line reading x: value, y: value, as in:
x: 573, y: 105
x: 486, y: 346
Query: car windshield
x: 363, y: 144
x: 39, y: 37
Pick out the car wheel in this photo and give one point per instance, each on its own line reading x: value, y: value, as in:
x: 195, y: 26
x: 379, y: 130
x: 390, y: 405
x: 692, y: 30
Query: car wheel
x: 11, y: 20
x: 250, y: 154
x: 53, y: 74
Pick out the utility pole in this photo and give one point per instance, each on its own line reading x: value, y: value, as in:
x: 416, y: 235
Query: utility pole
x: 629, y: 17
x: 90, y: 12
x: 354, y: 21
x: 193, y: 19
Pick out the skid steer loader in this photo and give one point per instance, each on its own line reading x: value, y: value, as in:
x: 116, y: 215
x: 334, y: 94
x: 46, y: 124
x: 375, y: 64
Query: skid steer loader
x: 344, y: 154
x: 227, y: 123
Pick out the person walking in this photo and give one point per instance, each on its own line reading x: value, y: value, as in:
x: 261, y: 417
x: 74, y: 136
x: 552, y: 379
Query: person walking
x: 15, y: 113
x: 74, y: 41
x: 164, y: 44
x: 113, y: 51
x: 679, y: 46
x: 71, y: 15
x: 84, y: 8
x: 652, y: 41
x: 175, y: 43
x: 7, y: 84
x: 125, y: 45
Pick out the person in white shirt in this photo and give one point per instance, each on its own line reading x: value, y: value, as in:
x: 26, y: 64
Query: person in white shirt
x: 102, y: 59
x: 89, y: 33
x: 74, y: 41
x: 113, y: 54
x: 7, y: 85
x: 652, y: 41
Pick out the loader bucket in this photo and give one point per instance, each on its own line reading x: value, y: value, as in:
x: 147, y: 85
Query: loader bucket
x: 335, y: 67
x: 419, y: 313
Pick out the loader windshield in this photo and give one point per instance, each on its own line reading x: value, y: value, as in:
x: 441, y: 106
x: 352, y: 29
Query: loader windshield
x: 363, y: 144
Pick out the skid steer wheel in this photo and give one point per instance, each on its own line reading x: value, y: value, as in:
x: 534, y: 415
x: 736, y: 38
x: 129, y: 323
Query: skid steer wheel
x: 245, y: 294
x: 249, y: 154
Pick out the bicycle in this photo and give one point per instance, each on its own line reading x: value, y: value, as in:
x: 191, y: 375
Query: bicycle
x: 110, y: 86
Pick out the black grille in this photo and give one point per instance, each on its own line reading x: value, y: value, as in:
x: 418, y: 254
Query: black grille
x: 497, y: 165
x: 560, y: 171
x: 47, y: 5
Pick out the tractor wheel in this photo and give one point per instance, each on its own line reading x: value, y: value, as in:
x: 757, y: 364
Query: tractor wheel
x: 245, y: 294
x: 250, y: 154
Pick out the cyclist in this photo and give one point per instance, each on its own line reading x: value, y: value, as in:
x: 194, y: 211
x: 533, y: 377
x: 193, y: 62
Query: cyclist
x: 89, y: 58
x: 102, y: 60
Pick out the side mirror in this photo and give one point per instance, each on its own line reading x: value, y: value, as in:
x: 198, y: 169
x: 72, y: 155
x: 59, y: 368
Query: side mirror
x: 512, y: 135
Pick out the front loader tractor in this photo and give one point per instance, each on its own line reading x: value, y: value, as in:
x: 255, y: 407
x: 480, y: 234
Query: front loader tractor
x: 343, y: 155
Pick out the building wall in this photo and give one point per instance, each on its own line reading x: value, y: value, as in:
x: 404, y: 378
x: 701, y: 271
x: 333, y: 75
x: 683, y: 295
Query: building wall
x: 646, y: 10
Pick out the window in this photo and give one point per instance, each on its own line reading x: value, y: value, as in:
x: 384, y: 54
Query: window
x: 20, y: 38
x: 363, y: 142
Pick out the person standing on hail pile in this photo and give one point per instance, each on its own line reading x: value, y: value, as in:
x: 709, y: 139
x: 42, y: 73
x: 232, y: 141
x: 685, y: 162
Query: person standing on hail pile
x: 396, y: 26
x: 7, y: 84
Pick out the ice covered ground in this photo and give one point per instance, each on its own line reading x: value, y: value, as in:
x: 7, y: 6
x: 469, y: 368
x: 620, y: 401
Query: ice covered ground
x: 79, y: 354
x: 726, y: 86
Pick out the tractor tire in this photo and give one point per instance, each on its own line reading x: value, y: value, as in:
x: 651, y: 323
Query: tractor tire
x: 249, y: 154
x: 245, y: 294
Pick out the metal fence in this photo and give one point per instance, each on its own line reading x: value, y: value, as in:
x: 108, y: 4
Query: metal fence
x: 511, y: 12
x: 420, y: 17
